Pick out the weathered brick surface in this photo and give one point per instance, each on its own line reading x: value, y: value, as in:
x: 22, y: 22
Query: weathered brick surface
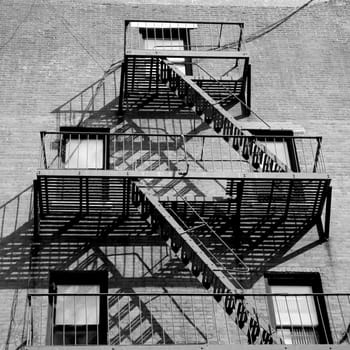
x: 300, y: 75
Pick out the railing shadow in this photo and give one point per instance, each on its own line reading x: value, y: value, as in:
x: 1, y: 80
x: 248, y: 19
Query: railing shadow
x: 262, y: 242
x: 25, y: 261
x: 16, y: 212
x: 95, y: 102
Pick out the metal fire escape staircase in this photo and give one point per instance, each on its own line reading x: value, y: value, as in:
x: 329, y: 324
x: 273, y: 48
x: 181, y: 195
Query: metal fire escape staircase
x: 199, y: 96
x: 278, y: 201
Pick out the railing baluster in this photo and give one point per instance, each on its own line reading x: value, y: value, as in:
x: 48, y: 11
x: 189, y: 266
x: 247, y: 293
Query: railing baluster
x: 161, y: 317
x: 212, y: 155
x: 310, y: 315
x: 186, y: 311
x: 115, y: 86
x: 76, y: 150
x: 159, y: 152
x: 107, y: 320
x: 304, y: 335
x: 31, y: 322
x: 75, y: 321
x: 317, y: 154
x: 3, y: 221
x: 52, y: 318
x: 172, y: 318
x: 132, y: 150
x: 183, y: 320
x: 193, y: 299
x: 130, y: 323
x: 118, y: 308
x: 205, y: 320
x: 227, y: 328
x: 150, y: 302
x: 140, y: 317
x: 221, y: 156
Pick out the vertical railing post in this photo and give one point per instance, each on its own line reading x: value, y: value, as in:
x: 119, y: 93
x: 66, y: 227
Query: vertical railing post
x: 43, y: 149
x: 328, y: 213
x: 241, y: 26
x: 3, y: 221
x: 247, y: 91
x: 36, y: 227
x: 30, y: 322
x: 121, y: 91
x: 115, y: 85
x: 317, y: 154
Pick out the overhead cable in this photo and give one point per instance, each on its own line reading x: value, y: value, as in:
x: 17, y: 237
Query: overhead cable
x: 260, y: 33
x: 275, y: 25
x: 67, y: 25
x: 24, y: 20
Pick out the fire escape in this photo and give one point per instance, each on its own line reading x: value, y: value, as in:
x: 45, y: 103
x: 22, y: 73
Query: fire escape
x: 230, y: 201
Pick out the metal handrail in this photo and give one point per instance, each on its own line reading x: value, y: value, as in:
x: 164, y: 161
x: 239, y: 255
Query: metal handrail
x: 15, y: 197
x: 164, y: 25
x: 246, y: 267
x: 110, y: 70
x: 185, y: 135
x: 223, y: 294
x: 183, y: 21
x: 157, y: 312
x: 306, y: 149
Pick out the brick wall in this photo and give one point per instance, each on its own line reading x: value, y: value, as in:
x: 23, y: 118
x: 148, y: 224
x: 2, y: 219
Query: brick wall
x: 300, y: 75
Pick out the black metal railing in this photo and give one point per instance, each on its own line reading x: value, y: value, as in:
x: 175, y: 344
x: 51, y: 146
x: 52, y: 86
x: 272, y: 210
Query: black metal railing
x: 183, y: 153
x: 183, y: 35
x: 183, y: 318
x: 101, y: 94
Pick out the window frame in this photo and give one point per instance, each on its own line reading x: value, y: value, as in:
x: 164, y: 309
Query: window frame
x: 76, y: 278
x: 280, y: 136
x: 83, y: 133
x: 171, y: 34
x: 309, y: 279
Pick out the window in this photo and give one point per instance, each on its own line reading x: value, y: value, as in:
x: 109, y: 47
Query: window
x: 169, y: 36
x: 77, y: 318
x: 84, y: 148
x: 300, y: 317
x: 281, y: 144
